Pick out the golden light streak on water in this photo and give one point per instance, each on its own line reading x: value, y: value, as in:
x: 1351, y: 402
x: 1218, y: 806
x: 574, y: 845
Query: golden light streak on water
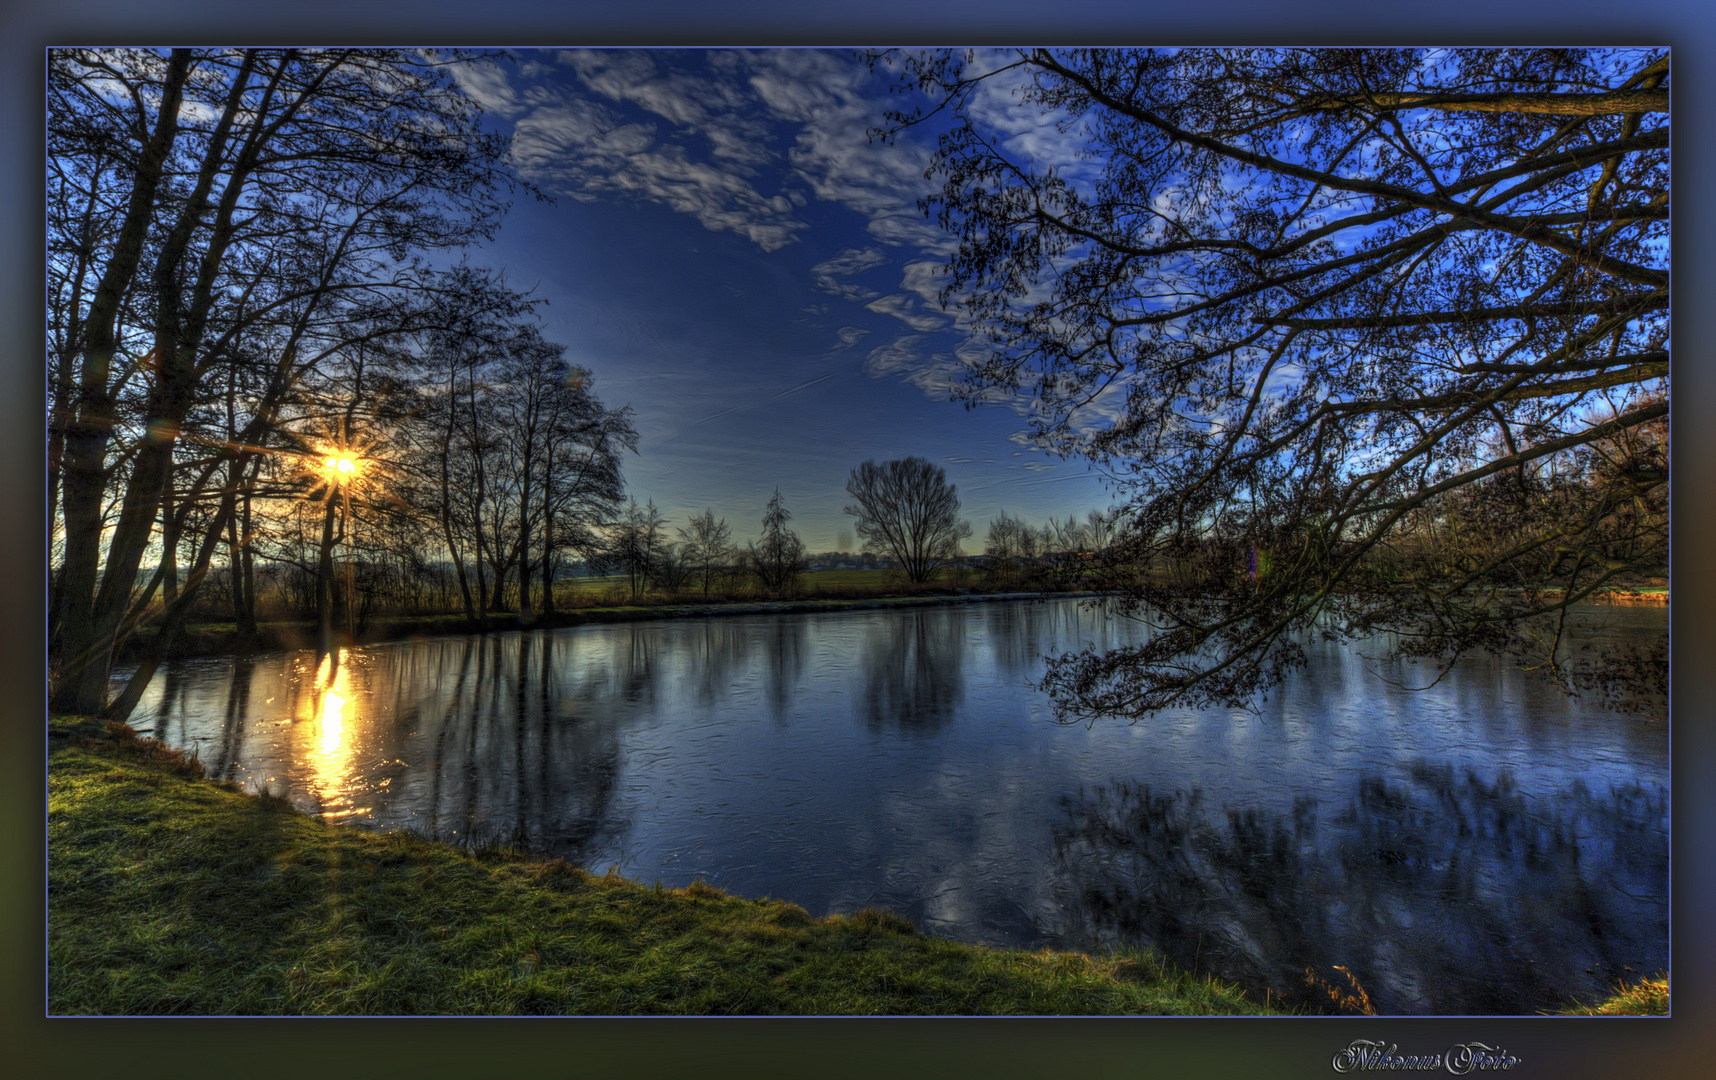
x: 331, y: 760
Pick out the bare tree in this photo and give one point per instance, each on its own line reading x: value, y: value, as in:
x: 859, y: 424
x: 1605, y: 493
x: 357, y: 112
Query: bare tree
x: 1067, y: 550
x: 636, y: 541
x: 707, y: 548
x: 777, y: 558
x: 1302, y: 302
x: 906, y: 509
x: 1012, y: 549
x: 260, y: 186
x: 671, y: 571
x: 581, y: 478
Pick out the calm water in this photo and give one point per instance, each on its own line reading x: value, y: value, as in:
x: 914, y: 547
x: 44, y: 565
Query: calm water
x: 1485, y: 846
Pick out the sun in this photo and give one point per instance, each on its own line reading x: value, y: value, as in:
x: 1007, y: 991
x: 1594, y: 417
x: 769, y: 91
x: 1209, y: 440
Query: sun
x: 341, y: 462
x: 332, y: 469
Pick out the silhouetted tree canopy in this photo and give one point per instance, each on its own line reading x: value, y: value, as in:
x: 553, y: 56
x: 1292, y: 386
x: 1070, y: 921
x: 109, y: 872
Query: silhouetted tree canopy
x: 230, y: 219
x: 1370, y: 341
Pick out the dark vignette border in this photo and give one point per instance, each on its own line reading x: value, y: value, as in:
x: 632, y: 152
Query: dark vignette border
x: 851, y: 1047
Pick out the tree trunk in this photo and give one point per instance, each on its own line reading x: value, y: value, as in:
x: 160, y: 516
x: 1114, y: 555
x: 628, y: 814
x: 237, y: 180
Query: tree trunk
x: 524, y: 537
x: 178, y: 333
x: 497, y: 598
x: 325, y: 584
x: 172, y: 618
x: 547, y: 561
x: 247, y: 570
x: 83, y: 648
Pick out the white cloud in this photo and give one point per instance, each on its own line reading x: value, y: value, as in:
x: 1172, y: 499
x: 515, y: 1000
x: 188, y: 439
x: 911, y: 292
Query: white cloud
x: 905, y: 309
x: 833, y: 156
x: 803, y: 84
x: 744, y: 144
x: 897, y: 355
x: 849, y: 336
x: 835, y: 103
x: 551, y: 141
x: 581, y: 149
x: 584, y: 146
x: 710, y: 130
x: 906, y: 228
x: 925, y: 279
x: 827, y: 274
x: 935, y: 374
x: 485, y: 82
x: 633, y: 75
x: 1033, y: 137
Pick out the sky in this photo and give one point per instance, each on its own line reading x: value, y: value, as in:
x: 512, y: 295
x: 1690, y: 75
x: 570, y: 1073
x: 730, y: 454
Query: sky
x: 731, y: 255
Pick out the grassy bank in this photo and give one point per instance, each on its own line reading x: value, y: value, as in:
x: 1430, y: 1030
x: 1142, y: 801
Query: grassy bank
x: 1647, y: 997
x: 171, y: 894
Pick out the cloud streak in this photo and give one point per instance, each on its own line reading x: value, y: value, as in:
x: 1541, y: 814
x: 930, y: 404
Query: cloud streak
x: 697, y: 132
x: 805, y: 385
x: 631, y: 126
x: 828, y: 275
x: 744, y: 141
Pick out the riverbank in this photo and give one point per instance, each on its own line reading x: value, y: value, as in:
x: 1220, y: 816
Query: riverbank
x: 170, y: 894
x: 220, y: 639
x: 1658, y: 597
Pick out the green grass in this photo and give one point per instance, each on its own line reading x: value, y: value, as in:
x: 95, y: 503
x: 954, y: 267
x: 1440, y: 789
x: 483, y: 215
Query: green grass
x: 170, y: 894
x: 1647, y: 997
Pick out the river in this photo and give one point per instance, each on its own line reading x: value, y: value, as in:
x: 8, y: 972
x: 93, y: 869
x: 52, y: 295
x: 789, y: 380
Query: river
x: 1485, y: 846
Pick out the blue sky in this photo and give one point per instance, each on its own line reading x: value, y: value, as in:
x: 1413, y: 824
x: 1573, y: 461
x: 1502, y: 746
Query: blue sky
x: 733, y: 257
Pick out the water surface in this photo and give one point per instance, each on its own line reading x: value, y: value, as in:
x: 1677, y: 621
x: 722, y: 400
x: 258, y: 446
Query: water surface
x: 1484, y: 846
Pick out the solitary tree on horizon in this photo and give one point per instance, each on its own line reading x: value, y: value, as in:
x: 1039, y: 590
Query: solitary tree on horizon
x: 908, y: 510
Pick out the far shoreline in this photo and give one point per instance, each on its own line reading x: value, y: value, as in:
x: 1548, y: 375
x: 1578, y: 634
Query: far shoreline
x: 201, y: 641
x: 215, y: 639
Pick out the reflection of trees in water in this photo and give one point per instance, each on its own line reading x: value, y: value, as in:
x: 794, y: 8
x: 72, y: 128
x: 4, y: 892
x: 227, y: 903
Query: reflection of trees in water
x: 515, y: 759
x: 1443, y: 894
x: 232, y: 727
x: 714, y: 650
x: 172, y: 701
x: 507, y: 738
x: 1017, y: 633
x: 1022, y: 634
x: 783, y: 645
x: 717, y: 653
x: 637, y: 665
x: 914, y: 672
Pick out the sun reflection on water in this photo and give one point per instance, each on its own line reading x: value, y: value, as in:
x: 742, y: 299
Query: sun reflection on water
x: 332, y: 757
